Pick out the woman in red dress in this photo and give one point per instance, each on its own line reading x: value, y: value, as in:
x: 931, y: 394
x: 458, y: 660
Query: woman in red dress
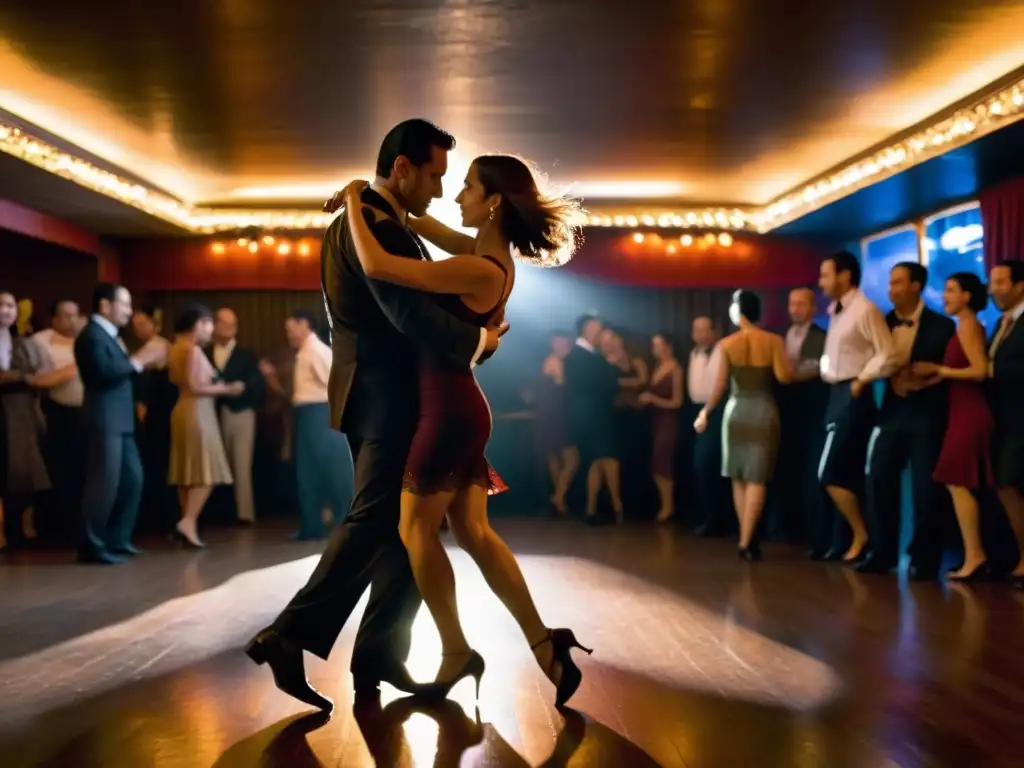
x: 446, y: 472
x: 964, y: 464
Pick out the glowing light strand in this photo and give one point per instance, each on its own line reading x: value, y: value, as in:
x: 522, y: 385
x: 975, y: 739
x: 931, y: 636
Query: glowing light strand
x: 988, y: 114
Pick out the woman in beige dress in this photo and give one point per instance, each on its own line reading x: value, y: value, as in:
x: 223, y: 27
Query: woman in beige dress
x: 198, y: 460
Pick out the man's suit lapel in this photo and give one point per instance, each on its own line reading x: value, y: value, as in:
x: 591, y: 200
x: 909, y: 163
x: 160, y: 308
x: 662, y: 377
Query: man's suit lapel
x: 924, y: 327
x: 378, y: 201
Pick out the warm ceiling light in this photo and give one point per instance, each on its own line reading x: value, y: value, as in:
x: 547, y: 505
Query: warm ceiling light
x: 243, y: 242
x: 303, y: 249
x: 638, y: 238
x: 686, y: 240
x: 725, y: 239
x: 284, y: 249
x: 671, y: 249
x: 993, y: 110
x: 268, y: 240
x: 709, y: 239
x: 217, y: 248
x: 253, y: 247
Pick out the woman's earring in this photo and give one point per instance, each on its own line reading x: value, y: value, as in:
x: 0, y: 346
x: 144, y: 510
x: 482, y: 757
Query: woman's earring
x: 492, y: 214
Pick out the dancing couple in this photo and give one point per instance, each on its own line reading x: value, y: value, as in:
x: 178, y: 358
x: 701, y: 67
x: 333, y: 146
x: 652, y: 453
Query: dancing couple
x: 406, y: 332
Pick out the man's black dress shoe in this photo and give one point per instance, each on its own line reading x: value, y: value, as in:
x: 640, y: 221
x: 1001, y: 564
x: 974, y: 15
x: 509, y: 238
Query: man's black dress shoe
x: 920, y: 573
x: 128, y: 549
x: 833, y: 556
x: 285, y: 661
x: 874, y: 564
x: 98, y: 558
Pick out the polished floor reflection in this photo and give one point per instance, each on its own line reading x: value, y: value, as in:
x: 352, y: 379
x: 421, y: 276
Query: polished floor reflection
x: 700, y: 660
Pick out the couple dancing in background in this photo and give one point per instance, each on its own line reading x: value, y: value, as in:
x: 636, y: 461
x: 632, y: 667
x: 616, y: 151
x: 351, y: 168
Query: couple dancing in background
x: 406, y: 332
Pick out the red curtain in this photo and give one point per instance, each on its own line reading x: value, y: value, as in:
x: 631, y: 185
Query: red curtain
x: 1002, y: 217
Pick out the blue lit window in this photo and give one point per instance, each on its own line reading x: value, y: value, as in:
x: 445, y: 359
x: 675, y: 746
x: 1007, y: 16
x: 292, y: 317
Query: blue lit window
x: 953, y: 243
x: 879, y: 254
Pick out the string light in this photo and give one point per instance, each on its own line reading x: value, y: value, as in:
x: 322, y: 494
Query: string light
x: 989, y: 113
x: 652, y: 241
x: 281, y: 247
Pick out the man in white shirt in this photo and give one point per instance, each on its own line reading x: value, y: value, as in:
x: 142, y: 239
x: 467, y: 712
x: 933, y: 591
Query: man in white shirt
x: 322, y: 460
x: 62, y: 406
x: 858, y: 347
x: 711, y: 490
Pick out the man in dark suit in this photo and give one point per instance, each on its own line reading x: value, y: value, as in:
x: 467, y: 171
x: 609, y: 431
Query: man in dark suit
x: 237, y: 414
x: 800, y: 502
x: 378, y: 329
x: 155, y: 398
x: 591, y: 385
x: 911, y: 424
x: 113, y: 481
x: 1006, y: 353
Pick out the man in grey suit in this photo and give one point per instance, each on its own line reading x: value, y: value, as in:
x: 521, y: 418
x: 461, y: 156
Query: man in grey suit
x: 113, y: 485
x: 799, y: 500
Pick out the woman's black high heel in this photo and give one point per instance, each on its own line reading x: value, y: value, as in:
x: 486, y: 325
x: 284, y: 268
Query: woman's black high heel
x: 980, y: 573
x: 562, y: 642
x: 474, y: 667
x: 751, y: 553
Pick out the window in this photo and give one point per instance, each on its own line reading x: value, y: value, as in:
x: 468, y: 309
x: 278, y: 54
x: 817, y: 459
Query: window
x: 953, y: 243
x: 879, y: 254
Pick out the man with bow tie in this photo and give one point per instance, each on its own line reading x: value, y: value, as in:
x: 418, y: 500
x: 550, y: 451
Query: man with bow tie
x: 1006, y: 356
x: 911, y: 424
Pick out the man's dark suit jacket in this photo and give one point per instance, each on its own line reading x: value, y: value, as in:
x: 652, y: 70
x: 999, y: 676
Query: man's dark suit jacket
x: 924, y: 410
x: 242, y: 366
x: 814, y: 343
x: 1006, y: 386
x: 107, y: 376
x: 379, y: 329
x: 591, y: 386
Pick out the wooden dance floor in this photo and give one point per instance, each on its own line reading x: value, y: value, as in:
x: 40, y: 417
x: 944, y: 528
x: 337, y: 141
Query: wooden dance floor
x: 700, y: 661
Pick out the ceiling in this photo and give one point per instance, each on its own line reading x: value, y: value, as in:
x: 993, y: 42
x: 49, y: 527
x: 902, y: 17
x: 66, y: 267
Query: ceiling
x: 731, y: 102
x: 924, y: 189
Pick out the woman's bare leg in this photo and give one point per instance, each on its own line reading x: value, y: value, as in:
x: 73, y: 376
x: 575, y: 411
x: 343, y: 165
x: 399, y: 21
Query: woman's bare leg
x: 570, y: 461
x: 467, y: 517
x: 28, y: 523
x: 612, y: 475
x: 753, y: 498
x: 193, y: 500
x: 739, y: 501
x: 420, y: 530
x: 595, y: 479
x: 966, y: 508
x: 666, y: 494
